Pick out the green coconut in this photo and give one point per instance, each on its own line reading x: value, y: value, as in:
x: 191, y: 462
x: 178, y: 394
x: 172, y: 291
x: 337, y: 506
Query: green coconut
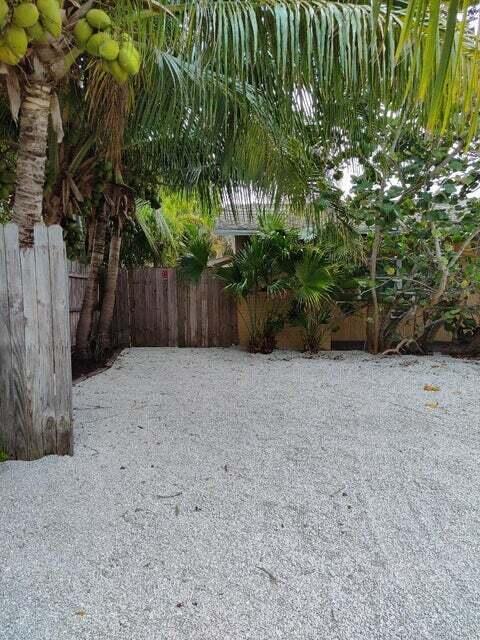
x: 95, y: 41
x: 82, y: 32
x: 37, y: 33
x: 119, y: 74
x: 7, y: 55
x: 98, y: 19
x: 50, y: 16
x: 53, y: 26
x: 25, y: 15
x: 129, y: 59
x: 4, y: 8
x: 109, y: 50
x: 16, y: 39
x: 49, y: 9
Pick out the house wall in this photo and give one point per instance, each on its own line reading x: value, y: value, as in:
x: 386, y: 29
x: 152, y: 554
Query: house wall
x: 351, y: 331
x: 290, y: 337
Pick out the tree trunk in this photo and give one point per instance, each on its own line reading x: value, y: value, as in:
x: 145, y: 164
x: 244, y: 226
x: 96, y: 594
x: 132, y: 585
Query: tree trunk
x: 85, y: 322
x: 32, y: 157
x: 108, y: 302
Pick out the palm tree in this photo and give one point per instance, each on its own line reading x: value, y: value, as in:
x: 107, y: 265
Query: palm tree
x: 304, y: 55
x: 37, y: 54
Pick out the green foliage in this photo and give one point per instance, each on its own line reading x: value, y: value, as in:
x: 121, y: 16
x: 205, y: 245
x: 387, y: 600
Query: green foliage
x: 162, y: 234
x: 3, y: 456
x: 198, y: 243
x: 416, y: 200
x: 314, y: 279
x: 277, y: 267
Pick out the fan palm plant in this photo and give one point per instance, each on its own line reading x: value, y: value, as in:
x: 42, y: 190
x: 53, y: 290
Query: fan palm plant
x: 254, y: 278
x: 198, y: 246
x: 313, y: 283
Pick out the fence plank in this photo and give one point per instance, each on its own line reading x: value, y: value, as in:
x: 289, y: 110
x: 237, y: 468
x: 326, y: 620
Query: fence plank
x: 42, y: 344
x: 172, y: 307
x: 61, y: 342
x: 32, y: 375
x: 78, y: 275
x: 204, y: 291
x: 7, y: 433
x: 162, y: 275
x: 121, y: 314
x: 19, y: 400
x: 181, y: 307
x: 140, y: 307
x: 192, y: 315
x: 216, y: 309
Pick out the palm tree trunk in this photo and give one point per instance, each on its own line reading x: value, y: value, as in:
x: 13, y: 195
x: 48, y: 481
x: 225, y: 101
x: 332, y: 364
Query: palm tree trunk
x: 108, y: 302
x: 85, y: 322
x: 32, y: 157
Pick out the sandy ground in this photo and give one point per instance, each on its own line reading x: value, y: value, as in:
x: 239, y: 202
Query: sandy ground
x: 216, y: 495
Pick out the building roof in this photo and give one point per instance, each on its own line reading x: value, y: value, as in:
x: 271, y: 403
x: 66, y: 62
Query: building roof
x: 244, y: 220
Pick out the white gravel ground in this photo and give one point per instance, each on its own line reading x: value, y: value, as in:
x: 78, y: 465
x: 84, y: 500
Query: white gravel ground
x: 216, y: 495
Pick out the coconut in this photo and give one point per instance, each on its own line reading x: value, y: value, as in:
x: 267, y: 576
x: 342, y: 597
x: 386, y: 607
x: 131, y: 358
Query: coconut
x: 109, y: 50
x: 49, y: 9
x: 98, y: 19
x: 25, y: 15
x: 82, y: 32
x: 129, y: 59
x: 7, y: 55
x: 50, y: 16
x: 16, y: 40
x: 120, y: 75
x: 53, y: 26
x: 37, y: 33
x: 94, y: 42
x: 3, y: 11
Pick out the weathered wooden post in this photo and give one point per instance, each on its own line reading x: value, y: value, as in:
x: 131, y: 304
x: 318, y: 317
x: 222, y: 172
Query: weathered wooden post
x: 35, y: 366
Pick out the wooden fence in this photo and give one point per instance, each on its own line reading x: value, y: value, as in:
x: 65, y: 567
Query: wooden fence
x: 207, y: 316
x: 166, y: 311
x: 77, y: 276
x: 35, y: 372
x: 152, y: 295
x: 155, y: 308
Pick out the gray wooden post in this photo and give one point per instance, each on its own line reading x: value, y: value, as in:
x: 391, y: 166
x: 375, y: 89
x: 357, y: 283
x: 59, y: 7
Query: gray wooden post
x: 35, y: 366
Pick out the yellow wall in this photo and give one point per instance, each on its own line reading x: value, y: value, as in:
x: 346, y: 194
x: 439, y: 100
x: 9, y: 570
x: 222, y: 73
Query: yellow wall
x: 289, y: 338
x: 351, y: 329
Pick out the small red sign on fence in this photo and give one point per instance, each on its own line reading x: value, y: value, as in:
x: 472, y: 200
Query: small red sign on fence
x: 164, y: 274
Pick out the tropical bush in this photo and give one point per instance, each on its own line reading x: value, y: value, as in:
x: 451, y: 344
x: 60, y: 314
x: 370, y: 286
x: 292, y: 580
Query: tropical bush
x: 254, y: 278
x: 416, y: 201
x: 278, y: 277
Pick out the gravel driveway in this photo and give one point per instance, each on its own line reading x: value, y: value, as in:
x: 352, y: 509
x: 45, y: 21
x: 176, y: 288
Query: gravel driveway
x: 216, y: 495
